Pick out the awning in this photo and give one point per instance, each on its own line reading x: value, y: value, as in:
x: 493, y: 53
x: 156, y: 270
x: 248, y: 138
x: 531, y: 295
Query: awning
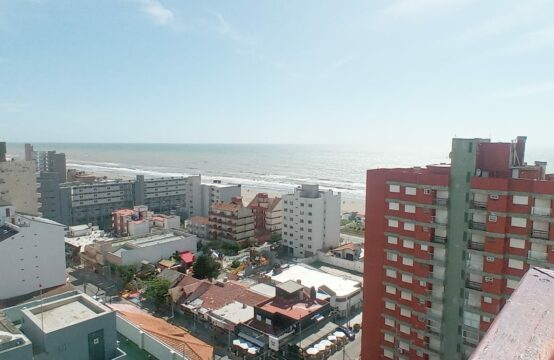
x: 311, y: 337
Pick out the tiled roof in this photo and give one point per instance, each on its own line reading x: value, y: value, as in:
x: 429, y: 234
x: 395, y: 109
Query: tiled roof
x: 200, y: 220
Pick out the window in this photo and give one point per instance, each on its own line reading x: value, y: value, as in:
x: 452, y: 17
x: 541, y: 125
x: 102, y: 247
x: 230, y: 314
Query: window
x: 301, y: 204
x: 520, y: 200
x: 517, y: 243
x: 390, y: 289
x: 268, y: 321
x: 408, y: 244
x: 409, y: 226
x: 519, y: 222
x: 389, y: 322
x: 511, y: 284
x: 409, y: 209
x: 394, y: 206
x: 424, y: 247
x: 390, y: 305
x: 486, y: 319
x: 388, y: 353
x: 493, y: 218
x: 393, y: 223
x: 258, y: 317
x: 392, y: 240
x: 405, y: 312
x: 394, y: 188
x: 487, y: 299
x: 392, y: 256
x: 404, y: 329
x: 410, y: 190
x: 515, y: 264
x: 390, y: 273
x: 408, y: 261
x: 406, y: 295
x: 389, y: 338
x: 471, y: 319
x: 407, y: 278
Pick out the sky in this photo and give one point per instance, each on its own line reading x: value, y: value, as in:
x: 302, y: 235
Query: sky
x: 396, y: 73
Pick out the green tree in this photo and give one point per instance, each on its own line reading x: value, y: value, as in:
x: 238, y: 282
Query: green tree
x: 125, y: 273
x: 235, y: 264
x: 205, y: 267
x: 156, y: 291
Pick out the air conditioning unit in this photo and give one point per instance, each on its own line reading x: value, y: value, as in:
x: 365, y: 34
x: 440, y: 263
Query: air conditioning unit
x: 493, y: 196
x: 490, y: 258
x: 427, y: 191
x: 488, y: 279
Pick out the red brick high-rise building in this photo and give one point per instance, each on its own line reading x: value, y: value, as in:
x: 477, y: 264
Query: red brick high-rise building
x: 446, y: 245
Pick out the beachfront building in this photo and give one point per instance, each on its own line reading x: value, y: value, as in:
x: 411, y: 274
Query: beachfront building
x: 69, y: 326
x: 344, y: 295
x: 136, y: 249
x: 446, y: 245
x: 311, y: 220
x: 231, y: 221
x: 140, y: 221
x: 47, y: 162
x: 216, y: 192
x: 199, y: 226
x: 268, y: 216
x: 18, y: 184
x: 32, y: 255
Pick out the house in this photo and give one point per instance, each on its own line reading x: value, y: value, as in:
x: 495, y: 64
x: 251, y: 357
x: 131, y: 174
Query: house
x: 268, y: 216
x: 348, y: 251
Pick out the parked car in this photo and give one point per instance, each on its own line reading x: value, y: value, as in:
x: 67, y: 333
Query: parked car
x: 349, y: 333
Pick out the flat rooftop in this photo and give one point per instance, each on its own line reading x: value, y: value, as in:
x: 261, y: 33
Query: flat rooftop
x: 309, y: 277
x: 296, y: 311
x: 66, y: 312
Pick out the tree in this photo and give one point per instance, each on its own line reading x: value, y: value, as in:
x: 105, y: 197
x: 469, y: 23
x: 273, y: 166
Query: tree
x: 125, y: 273
x: 156, y: 291
x: 205, y: 267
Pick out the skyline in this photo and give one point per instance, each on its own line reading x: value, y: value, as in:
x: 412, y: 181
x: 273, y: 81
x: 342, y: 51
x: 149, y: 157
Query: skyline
x: 393, y: 73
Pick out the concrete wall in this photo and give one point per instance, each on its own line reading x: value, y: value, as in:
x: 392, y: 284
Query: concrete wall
x: 145, y: 341
x: 33, y: 257
x: 357, y: 266
x: 22, y: 352
x: 19, y: 185
x: 160, y: 251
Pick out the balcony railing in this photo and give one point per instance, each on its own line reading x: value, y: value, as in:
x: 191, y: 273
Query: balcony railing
x: 537, y: 255
x: 439, y: 221
x: 474, y: 245
x: 538, y: 211
x: 440, y: 239
x: 477, y: 225
x: 479, y: 205
x: 539, y: 234
x: 474, y: 285
x: 440, y: 201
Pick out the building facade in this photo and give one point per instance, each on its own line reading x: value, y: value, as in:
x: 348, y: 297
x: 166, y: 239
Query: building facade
x: 311, y: 220
x: 231, y: 221
x: 447, y: 244
x: 268, y: 216
x: 18, y: 186
x: 215, y: 192
x: 32, y: 254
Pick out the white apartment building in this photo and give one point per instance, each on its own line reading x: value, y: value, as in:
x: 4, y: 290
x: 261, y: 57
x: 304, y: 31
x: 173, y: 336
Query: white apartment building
x: 32, y: 253
x: 18, y: 185
x: 216, y: 192
x: 311, y: 220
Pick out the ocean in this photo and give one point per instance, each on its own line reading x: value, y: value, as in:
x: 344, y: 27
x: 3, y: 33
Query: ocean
x: 271, y: 168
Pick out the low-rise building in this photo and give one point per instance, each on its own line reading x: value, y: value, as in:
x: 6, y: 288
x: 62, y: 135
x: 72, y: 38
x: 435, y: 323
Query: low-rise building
x: 70, y: 326
x: 32, y: 253
x: 344, y: 295
x: 231, y: 221
x: 199, y: 226
x: 349, y: 251
x: 268, y: 216
x: 140, y: 221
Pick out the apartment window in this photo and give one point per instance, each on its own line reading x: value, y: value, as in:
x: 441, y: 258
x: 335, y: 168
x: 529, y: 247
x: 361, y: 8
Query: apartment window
x: 410, y: 190
x: 472, y: 320
x: 389, y: 322
x: 309, y: 214
x: 301, y: 245
x: 309, y: 246
x: 390, y: 305
x: 392, y: 240
x: 292, y: 203
x: 301, y: 204
x: 390, y: 289
x: 309, y: 238
x: 394, y: 206
x: 391, y: 273
x: 286, y: 202
x: 301, y: 221
x: 424, y: 247
x: 405, y: 312
x: 407, y: 278
x: 517, y: 243
x: 408, y: 244
x: 301, y: 212
x: 393, y: 223
x: 406, y: 295
x: 388, y: 353
x: 268, y: 321
x: 404, y: 329
x: 301, y: 237
x: 389, y: 338
x: 520, y: 200
x: 258, y: 317
x: 519, y: 222
x: 410, y: 209
x: 409, y: 226
x: 309, y: 230
x: 309, y: 221
x: 394, y: 188
x: 301, y: 228
x: 290, y: 242
x: 408, y: 261
x: 309, y: 205
x: 515, y: 264
x: 512, y: 284
x: 486, y: 319
x: 487, y: 299
x: 392, y: 256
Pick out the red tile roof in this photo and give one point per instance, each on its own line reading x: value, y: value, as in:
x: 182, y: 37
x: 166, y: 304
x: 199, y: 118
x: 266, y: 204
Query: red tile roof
x: 187, y: 257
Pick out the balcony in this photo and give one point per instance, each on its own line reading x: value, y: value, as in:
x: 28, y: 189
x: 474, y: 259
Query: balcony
x: 538, y: 211
x: 439, y: 221
x: 536, y: 255
x: 477, y: 225
x: 539, y: 234
x: 440, y: 201
x: 440, y: 239
x: 482, y: 205
x: 474, y: 245
x: 474, y: 285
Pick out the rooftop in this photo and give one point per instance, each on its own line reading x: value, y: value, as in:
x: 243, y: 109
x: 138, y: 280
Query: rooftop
x: 200, y: 220
x: 235, y: 312
x: 524, y: 328
x: 290, y: 286
x: 263, y: 289
x: 296, y: 311
x: 309, y: 277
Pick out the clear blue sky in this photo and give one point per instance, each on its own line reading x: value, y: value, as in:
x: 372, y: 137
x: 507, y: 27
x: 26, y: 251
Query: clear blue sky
x: 401, y: 72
